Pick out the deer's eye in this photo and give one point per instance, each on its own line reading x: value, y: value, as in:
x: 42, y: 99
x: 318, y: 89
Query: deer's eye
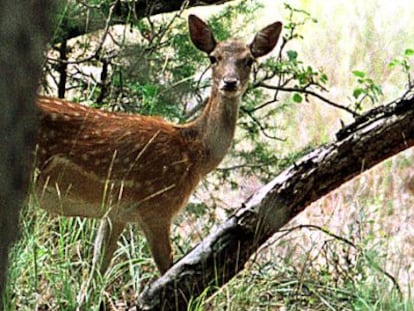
x: 249, y: 61
x: 213, y: 59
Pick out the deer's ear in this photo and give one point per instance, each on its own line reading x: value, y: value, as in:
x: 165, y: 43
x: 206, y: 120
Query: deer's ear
x: 201, y: 34
x: 266, y: 39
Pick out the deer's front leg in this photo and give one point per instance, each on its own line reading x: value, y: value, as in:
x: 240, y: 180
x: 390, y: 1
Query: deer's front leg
x: 106, y: 242
x: 157, y: 232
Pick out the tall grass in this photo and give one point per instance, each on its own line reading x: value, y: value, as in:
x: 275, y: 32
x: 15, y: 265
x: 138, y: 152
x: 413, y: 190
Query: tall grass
x: 304, y: 268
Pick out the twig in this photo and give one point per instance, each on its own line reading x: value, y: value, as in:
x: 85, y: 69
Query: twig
x: 308, y: 92
x: 240, y: 166
x: 95, y: 54
x: 261, y: 127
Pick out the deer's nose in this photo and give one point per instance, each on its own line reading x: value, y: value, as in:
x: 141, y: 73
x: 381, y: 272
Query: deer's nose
x: 230, y: 83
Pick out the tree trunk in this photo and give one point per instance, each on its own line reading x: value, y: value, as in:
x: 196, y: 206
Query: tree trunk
x: 23, y: 33
x: 379, y: 134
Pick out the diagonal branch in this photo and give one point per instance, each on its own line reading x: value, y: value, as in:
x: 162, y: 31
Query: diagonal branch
x: 222, y: 254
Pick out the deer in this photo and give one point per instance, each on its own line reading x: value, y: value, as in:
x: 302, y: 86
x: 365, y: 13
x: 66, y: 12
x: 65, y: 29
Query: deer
x: 123, y: 168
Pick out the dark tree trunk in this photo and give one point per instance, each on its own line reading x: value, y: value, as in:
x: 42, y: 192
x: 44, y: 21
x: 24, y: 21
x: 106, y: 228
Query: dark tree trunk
x: 23, y: 33
x: 373, y: 138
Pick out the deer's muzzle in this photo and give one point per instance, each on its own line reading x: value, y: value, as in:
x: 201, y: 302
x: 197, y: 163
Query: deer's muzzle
x: 230, y: 84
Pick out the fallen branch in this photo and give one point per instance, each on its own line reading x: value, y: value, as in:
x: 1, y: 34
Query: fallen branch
x: 222, y: 254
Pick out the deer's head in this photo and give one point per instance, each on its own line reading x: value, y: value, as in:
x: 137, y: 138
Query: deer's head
x: 232, y: 60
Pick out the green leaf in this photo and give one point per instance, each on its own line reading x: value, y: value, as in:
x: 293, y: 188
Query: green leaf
x: 359, y: 74
x: 324, y: 78
x: 393, y: 63
x: 292, y: 55
x: 357, y: 92
x: 409, y: 52
x: 297, y: 98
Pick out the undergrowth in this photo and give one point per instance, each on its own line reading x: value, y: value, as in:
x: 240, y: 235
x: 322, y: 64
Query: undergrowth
x: 352, y: 265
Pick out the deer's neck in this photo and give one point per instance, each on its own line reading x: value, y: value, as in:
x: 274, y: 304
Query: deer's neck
x: 215, y: 128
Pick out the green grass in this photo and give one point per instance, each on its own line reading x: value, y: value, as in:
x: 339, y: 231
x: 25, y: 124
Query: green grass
x: 51, y: 265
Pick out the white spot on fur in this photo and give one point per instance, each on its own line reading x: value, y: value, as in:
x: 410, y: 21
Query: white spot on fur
x: 93, y: 152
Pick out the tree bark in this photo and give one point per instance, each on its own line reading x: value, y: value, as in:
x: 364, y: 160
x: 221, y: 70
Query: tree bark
x: 379, y: 134
x: 23, y: 33
x: 82, y: 19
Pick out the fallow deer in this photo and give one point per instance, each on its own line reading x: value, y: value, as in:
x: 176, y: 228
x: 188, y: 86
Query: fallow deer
x: 140, y: 169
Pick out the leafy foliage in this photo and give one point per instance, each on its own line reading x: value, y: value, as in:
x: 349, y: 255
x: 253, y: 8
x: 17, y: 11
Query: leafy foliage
x: 367, y: 89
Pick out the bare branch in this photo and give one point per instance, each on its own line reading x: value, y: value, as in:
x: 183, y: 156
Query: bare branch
x: 308, y: 92
x: 260, y: 125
